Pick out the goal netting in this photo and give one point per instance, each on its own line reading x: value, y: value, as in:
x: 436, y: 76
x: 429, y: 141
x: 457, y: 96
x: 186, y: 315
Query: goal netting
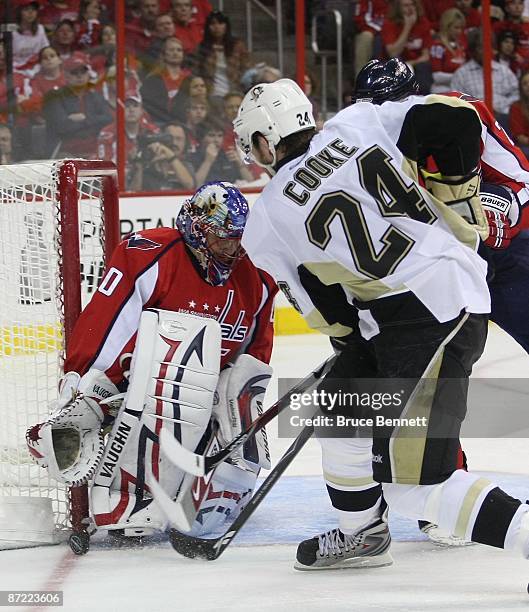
x: 58, y: 220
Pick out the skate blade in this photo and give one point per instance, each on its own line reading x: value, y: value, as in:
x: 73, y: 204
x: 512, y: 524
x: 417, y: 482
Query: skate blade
x: 355, y: 563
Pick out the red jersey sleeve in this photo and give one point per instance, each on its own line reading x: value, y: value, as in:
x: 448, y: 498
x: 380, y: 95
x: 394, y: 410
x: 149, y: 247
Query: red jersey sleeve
x: 502, y: 162
x: 261, y: 339
x: 106, y: 329
x: 518, y: 124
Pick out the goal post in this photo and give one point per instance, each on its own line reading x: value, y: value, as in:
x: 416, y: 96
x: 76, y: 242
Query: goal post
x: 59, y: 222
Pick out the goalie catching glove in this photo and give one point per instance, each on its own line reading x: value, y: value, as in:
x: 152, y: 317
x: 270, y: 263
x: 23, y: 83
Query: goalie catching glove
x: 70, y: 442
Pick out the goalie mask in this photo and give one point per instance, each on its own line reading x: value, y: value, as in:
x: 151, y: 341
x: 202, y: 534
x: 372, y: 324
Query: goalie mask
x: 212, y: 223
x: 275, y: 110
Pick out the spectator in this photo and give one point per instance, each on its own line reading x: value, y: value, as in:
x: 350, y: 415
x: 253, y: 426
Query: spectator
x: 311, y: 86
x: 212, y: 163
x: 472, y: 15
x: 506, y: 53
x: 222, y: 58
x: 89, y: 26
x: 138, y: 145
x: 195, y: 115
x: 406, y: 34
x: 164, y: 28
x: 232, y: 101
x: 50, y: 77
x: 29, y: 38
x: 201, y: 10
x: 139, y: 31
x: 56, y: 11
x: 76, y: 113
x: 63, y: 40
x: 433, y: 9
x: 21, y: 87
x: 514, y: 21
x: 448, y: 53
x: 103, y: 55
x: 519, y: 115
x: 469, y: 79
x: 193, y: 88
x: 6, y: 145
x: 368, y: 20
x: 186, y: 28
x: 167, y: 166
x: 161, y: 86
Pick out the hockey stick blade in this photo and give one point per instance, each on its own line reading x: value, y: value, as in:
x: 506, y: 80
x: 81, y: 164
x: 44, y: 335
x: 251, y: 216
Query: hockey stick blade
x: 211, y: 549
x: 199, y: 465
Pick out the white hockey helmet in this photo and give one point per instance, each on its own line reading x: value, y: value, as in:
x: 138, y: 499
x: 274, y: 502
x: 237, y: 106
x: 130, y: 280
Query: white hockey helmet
x: 275, y: 110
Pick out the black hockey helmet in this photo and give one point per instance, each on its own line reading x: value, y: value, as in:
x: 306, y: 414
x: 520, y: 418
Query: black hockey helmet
x: 379, y: 81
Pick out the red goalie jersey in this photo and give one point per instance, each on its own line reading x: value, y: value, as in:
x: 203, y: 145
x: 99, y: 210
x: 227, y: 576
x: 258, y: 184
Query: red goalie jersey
x: 153, y: 269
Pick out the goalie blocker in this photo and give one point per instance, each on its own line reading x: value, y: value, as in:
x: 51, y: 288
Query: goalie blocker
x: 173, y: 383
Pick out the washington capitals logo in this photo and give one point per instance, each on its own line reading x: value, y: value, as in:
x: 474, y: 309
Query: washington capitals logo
x: 256, y: 92
x: 137, y: 241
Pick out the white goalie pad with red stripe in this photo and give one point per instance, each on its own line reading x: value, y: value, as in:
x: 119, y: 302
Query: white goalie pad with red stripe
x: 174, y: 374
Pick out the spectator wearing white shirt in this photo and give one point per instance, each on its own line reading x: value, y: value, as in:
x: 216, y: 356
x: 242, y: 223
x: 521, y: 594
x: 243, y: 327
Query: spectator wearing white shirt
x: 469, y: 80
x: 29, y: 38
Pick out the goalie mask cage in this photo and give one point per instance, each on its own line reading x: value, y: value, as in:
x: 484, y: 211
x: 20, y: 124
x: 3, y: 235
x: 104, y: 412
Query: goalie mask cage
x: 59, y: 220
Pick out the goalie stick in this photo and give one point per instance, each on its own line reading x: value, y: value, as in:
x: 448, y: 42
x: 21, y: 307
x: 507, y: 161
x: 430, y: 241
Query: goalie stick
x: 200, y: 465
x: 211, y: 549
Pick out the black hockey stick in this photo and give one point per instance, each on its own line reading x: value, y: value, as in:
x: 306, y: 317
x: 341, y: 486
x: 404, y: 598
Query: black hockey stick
x: 200, y: 465
x: 211, y: 549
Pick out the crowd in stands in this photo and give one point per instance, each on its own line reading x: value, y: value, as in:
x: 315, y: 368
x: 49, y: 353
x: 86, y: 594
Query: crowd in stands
x: 187, y: 72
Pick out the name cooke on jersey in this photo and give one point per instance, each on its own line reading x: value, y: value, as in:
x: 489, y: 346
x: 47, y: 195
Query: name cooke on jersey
x: 322, y: 165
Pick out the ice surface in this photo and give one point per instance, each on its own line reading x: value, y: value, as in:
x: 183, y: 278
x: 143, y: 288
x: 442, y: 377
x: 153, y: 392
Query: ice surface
x: 256, y: 573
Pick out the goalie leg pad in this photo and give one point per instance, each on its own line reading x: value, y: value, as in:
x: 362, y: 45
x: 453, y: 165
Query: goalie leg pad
x: 238, y: 402
x: 230, y: 489
x: 174, y: 373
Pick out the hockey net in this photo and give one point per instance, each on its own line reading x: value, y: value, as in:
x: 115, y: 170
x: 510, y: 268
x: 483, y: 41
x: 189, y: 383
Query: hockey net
x: 58, y: 221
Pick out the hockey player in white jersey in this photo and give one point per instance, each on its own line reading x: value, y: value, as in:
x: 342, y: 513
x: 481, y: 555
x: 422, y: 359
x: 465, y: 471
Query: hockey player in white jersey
x: 348, y: 226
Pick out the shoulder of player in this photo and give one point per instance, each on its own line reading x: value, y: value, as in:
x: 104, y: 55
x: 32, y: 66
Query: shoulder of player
x: 248, y: 275
x: 151, y: 242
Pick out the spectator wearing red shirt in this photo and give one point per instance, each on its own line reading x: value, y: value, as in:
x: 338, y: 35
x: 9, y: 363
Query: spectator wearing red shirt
x: 472, y: 15
x: 189, y: 31
x: 519, y: 115
x: 162, y: 85
x: 139, y: 30
x: 449, y: 51
x: 57, y: 10
x: 406, y: 34
x: 49, y: 77
x: 514, y: 21
x: 506, y: 54
x: 433, y: 9
x: 368, y: 21
x: 63, y: 39
x: 201, y: 10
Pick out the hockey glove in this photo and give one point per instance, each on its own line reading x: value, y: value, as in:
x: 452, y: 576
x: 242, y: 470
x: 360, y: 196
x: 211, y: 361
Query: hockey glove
x: 461, y: 195
x: 500, y: 231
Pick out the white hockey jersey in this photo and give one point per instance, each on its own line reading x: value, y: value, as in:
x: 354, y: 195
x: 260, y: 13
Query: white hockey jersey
x: 349, y: 211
